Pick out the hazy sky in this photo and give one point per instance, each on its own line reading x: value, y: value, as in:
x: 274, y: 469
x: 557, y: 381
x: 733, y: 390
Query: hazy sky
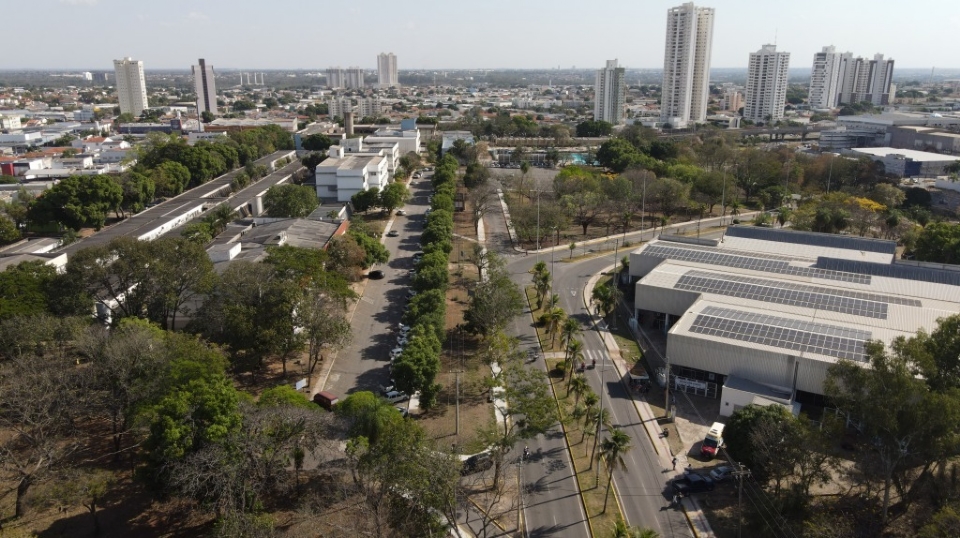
x: 279, y: 34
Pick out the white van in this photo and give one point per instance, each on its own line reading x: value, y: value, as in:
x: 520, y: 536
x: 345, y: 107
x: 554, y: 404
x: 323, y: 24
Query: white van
x: 713, y: 441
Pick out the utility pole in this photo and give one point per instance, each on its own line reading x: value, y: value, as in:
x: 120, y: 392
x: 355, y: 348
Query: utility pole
x: 666, y: 389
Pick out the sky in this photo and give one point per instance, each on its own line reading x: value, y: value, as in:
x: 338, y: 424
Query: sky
x: 446, y: 34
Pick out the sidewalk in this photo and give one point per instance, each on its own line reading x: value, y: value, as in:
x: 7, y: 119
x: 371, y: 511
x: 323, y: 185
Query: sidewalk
x: 698, y: 522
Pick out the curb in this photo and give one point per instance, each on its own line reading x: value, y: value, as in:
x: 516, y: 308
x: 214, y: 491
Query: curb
x: 566, y: 441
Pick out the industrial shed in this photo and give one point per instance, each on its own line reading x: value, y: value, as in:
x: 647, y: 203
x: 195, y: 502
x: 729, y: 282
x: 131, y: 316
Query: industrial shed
x: 773, y: 309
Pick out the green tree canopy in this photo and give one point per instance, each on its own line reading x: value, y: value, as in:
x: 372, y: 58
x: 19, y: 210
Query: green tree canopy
x: 290, y: 201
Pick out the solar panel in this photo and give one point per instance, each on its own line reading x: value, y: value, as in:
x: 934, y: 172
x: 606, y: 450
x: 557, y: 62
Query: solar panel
x: 845, y: 301
x: 895, y: 270
x: 846, y: 242
x: 775, y: 331
x: 754, y: 263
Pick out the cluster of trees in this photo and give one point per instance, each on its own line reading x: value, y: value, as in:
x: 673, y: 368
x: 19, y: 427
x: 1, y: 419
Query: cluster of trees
x: 166, y: 166
x: 391, y: 197
x: 900, y: 418
x: 417, y: 367
x: 290, y: 201
x: 166, y: 405
x: 503, y: 124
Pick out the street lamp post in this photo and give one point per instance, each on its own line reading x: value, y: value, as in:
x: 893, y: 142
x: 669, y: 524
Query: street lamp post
x: 723, y: 198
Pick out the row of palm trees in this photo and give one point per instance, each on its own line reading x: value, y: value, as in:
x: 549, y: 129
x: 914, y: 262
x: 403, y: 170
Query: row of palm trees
x: 585, y: 413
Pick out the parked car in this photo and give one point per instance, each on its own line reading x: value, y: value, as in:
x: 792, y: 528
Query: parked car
x: 393, y: 233
x: 402, y: 340
x: 401, y: 212
x: 693, y: 483
x: 395, y: 352
x: 326, y: 400
x: 476, y: 463
x: 395, y: 396
x: 376, y: 274
x: 721, y: 473
x: 404, y: 412
x: 411, y: 294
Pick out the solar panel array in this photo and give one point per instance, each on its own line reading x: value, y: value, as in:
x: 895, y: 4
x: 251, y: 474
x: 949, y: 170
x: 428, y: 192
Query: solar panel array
x: 755, y: 263
x: 814, y: 239
x: 795, y: 335
x: 869, y: 305
x: 895, y: 270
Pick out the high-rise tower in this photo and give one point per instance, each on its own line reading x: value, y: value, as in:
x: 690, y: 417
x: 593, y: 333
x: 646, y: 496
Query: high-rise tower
x: 686, y: 65
x: 131, y: 87
x: 609, y: 89
x: 766, y: 85
x: 206, y: 87
x: 387, y: 70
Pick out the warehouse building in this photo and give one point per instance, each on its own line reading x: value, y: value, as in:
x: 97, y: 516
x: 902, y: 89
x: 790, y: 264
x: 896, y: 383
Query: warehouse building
x: 759, y: 316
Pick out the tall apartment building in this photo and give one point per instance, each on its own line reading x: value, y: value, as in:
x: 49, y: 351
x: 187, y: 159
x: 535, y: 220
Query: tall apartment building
x: 766, y: 85
x: 610, y: 94
x: 866, y: 80
x: 338, y: 106
x: 825, y: 78
x: 686, y: 65
x: 387, y: 70
x: 206, y: 87
x: 353, y: 77
x: 732, y: 100
x: 131, y: 88
x: 335, y: 77
x: 369, y: 106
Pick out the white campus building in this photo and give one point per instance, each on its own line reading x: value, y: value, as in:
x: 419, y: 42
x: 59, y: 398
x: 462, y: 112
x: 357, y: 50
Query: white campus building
x: 686, y: 65
x: 610, y: 91
x: 342, y: 175
x: 131, y: 87
x: 206, y: 87
x: 387, y: 70
x: 761, y: 314
x: 766, y: 85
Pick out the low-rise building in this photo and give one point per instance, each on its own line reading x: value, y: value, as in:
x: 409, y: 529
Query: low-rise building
x: 906, y: 162
x: 777, y: 308
x: 342, y: 175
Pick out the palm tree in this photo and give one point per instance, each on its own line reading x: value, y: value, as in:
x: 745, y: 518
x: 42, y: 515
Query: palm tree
x: 553, y: 301
x: 606, y: 296
x: 574, y: 355
x: 590, y: 400
x: 578, y: 386
x: 611, y: 451
x: 602, y: 420
x: 577, y: 413
x: 569, y: 330
x: 553, y: 319
x: 541, y: 283
x: 735, y: 208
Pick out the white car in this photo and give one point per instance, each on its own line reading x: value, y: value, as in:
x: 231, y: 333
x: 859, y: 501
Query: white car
x: 396, y: 352
x: 396, y: 396
x: 402, y: 340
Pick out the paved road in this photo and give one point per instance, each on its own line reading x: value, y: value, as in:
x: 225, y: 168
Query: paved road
x: 364, y: 364
x: 643, y: 488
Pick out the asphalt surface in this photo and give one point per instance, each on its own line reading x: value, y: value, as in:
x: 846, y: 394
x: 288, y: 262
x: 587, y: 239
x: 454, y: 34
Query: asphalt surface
x: 364, y: 364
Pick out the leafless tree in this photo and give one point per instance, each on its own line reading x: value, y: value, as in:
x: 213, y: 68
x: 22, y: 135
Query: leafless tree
x: 482, y: 199
x: 323, y: 323
x: 39, y: 401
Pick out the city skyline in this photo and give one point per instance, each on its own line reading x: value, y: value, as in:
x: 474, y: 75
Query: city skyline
x: 431, y: 35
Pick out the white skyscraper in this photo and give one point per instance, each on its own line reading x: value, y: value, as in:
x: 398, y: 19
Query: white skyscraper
x: 335, y: 77
x: 686, y: 65
x: 825, y: 78
x: 387, y: 70
x: 865, y: 80
x: 609, y: 88
x: 766, y: 85
x: 353, y: 77
x: 206, y: 87
x: 131, y: 88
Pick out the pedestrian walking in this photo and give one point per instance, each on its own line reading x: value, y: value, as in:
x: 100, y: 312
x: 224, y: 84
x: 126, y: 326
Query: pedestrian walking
x: 676, y: 500
x: 674, y: 464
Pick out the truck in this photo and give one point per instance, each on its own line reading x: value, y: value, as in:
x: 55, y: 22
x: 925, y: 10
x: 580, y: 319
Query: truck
x: 713, y: 441
x: 639, y: 375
